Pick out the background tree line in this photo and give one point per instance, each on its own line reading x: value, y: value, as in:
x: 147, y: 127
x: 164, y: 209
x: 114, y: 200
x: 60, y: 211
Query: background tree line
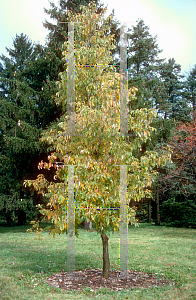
x: 28, y: 78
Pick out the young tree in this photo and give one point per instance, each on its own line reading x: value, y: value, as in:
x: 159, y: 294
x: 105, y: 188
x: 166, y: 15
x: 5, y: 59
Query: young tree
x: 58, y: 32
x: 98, y: 147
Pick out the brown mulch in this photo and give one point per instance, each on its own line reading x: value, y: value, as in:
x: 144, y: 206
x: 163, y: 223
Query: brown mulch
x: 94, y: 280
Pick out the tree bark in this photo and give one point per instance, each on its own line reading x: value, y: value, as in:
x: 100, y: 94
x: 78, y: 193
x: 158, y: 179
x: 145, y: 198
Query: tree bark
x: 106, y: 260
x: 158, y: 209
x: 149, y: 211
x: 86, y: 225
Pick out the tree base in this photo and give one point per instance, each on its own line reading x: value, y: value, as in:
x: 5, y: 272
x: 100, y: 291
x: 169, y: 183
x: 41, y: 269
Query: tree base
x: 94, y: 280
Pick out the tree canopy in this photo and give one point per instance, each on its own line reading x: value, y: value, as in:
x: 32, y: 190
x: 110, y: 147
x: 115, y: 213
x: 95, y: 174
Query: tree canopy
x: 97, y: 147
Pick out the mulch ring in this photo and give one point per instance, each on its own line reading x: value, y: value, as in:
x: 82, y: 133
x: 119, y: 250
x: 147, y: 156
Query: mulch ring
x: 94, y: 280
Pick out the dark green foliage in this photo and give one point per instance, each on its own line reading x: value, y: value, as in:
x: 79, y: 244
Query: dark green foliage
x: 190, y: 88
x: 22, y: 114
x: 178, y: 213
x: 143, y: 64
x: 178, y: 182
x: 161, y: 86
x: 141, y: 209
x: 169, y: 97
x: 28, y: 87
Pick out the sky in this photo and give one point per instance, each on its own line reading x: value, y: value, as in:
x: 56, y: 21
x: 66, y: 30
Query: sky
x: 173, y: 21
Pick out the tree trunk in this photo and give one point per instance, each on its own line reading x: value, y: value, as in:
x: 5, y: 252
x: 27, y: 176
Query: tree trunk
x: 86, y: 225
x: 106, y: 260
x: 8, y: 219
x: 149, y: 211
x: 158, y: 210
x: 21, y: 218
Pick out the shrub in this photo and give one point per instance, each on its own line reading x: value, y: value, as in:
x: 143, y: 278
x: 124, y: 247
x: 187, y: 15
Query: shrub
x: 178, y: 214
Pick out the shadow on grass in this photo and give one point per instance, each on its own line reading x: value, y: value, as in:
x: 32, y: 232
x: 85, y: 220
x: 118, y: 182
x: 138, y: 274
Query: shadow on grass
x: 4, y: 228
x: 47, y: 255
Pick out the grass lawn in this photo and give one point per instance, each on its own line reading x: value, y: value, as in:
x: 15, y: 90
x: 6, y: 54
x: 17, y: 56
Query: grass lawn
x: 25, y: 262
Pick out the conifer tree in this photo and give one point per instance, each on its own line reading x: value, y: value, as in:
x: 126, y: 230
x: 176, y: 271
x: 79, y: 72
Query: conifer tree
x: 159, y: 86
x: 23, y: 87
x: 172, y: 109
x: 170, y: 97
x: 143, y: 63
x: 190, y: 88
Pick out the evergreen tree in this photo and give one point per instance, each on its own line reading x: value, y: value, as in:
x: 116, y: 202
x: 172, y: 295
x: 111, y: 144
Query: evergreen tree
x: 159, y: 85
x: 143, y: 64
x: 190, y: 89
x: 172, y: 108
x: 21, y: 116
x: 169, y: 102
x: 169, y: 99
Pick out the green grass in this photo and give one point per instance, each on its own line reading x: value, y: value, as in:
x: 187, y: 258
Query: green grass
x: 25, y: 262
